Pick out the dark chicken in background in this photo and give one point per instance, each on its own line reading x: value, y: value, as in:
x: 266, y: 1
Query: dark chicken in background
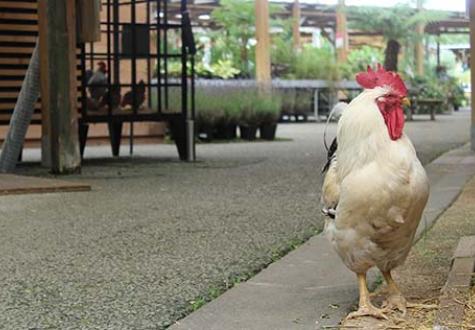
x: 139, y: 96
x: 114, y: 94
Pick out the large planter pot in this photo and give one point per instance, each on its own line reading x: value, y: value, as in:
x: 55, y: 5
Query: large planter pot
x: 301, y: 118
x: 226, y: 132
x: 206, y: 133
x: 267, y: 131
x: 248, y: 132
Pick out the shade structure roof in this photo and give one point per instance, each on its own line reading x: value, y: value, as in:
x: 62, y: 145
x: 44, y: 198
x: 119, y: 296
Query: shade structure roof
x: 315, y: 15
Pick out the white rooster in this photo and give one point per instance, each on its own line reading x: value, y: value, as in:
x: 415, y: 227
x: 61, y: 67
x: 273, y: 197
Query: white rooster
x: 375, y: 188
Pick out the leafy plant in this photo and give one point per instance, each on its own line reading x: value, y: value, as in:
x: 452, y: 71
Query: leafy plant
x: 427, y: 88
x: 209, y: 108
x: 224, y: 69
x: 237, y: 18
x: 268, y: 108
x: 358, y: 60
x: 315, y: 63
x: 288, y: 100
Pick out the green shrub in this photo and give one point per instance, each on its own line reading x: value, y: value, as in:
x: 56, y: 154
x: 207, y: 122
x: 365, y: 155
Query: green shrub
x: 268, y: 108
x: 425, y: 87
x: 209, y: 108
x: 224, y: 106
x: 288, y: 100
x: 303, y: 101
x: 359, y: 59
x: 315, y: 63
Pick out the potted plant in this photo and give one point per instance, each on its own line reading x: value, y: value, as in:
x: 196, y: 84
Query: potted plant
x: 268, y: 112
x: 226, y: 127
x: 288, y: 104
x: 209, y: 112
x: 248, y: 119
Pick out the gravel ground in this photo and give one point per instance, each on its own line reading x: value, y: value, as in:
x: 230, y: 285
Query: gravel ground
x: 155, y: 234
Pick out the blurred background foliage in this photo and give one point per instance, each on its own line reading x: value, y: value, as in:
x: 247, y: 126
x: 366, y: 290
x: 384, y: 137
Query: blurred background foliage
x: 228, y: 52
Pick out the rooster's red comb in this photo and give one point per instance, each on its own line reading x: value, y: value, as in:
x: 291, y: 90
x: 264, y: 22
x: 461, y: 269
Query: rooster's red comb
x: 380, y: 78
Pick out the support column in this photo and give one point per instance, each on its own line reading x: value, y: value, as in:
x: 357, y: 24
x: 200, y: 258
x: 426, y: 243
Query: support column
x: 471, y: 10
x: 296, y: 24
x: 438, y: 50
x: 419, y: 45
x: 341, y: 38
x: 263, y: 71
x: 60, y: 141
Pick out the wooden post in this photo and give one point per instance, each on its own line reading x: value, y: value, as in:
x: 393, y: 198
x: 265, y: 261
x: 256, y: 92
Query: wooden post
x: 263, y: 74
x: 419, y: 45
x: 438, y: 49
x: 60, y: 141
x: 341, y: 40
x: 471, y: 10
x: 296, y: 25
x: 89, y: 20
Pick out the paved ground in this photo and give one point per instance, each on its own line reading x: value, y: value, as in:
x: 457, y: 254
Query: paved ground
x: 310, y: 288
x: 155, y: 234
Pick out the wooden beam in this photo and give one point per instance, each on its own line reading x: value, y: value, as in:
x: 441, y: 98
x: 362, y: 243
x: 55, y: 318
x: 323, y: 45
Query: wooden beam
x: 471, y: 10
x: 60, y: 142
x: 296, y: 24
x: 341, y: 39
x: 263, y: 74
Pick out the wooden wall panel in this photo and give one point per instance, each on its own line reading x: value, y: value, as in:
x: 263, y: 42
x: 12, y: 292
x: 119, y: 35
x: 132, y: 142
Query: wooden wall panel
x: 18, y: 33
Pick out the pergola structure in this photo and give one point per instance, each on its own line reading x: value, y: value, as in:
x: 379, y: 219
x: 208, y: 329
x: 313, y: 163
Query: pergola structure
x: 457, y: 24
x: 320, y: 16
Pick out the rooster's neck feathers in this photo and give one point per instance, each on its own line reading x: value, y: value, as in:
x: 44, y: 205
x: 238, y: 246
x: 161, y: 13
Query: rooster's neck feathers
x: 362, y: 134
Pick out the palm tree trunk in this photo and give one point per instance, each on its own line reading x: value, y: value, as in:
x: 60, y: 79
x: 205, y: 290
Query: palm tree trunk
x: 391, y: 55
x: 21, y: 117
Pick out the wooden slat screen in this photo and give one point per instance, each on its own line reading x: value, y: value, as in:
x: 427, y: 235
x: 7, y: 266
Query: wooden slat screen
x: 18, y: 33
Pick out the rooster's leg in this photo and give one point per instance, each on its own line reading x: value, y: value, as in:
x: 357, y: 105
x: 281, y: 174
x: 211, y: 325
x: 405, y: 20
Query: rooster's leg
x: 366, y: 308
x: 395, y: 300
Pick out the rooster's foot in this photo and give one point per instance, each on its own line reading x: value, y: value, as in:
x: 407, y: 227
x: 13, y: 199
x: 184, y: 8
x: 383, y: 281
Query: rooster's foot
x: 396, y: 302
x: 367, y: 310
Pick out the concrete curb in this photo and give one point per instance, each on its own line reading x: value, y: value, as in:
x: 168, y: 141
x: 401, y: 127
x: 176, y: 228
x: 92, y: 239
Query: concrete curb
x: 310, y: 287
x: 455, y: 293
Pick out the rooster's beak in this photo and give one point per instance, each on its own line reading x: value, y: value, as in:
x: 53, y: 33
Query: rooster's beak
x: 406, y: 101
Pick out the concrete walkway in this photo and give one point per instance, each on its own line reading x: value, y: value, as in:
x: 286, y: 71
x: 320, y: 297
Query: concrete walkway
x: 310, y: 288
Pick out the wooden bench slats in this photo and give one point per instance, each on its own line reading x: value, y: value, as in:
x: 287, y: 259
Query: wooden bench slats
x: 10, y: 83
x: 20, y: 72
x: 18, y: 4
x: 16, y: 50
x: 19, y: 27
x: 14, y: 60
x: 6, y: 117
x: 19, y: 16
x: 11, y: 106
x: 17, y: 38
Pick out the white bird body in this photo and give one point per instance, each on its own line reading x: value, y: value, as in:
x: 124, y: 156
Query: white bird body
x: 378, y: 187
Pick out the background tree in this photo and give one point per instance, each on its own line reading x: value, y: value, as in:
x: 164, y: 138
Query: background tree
x: 237, y: 19
x: 397, y: 25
